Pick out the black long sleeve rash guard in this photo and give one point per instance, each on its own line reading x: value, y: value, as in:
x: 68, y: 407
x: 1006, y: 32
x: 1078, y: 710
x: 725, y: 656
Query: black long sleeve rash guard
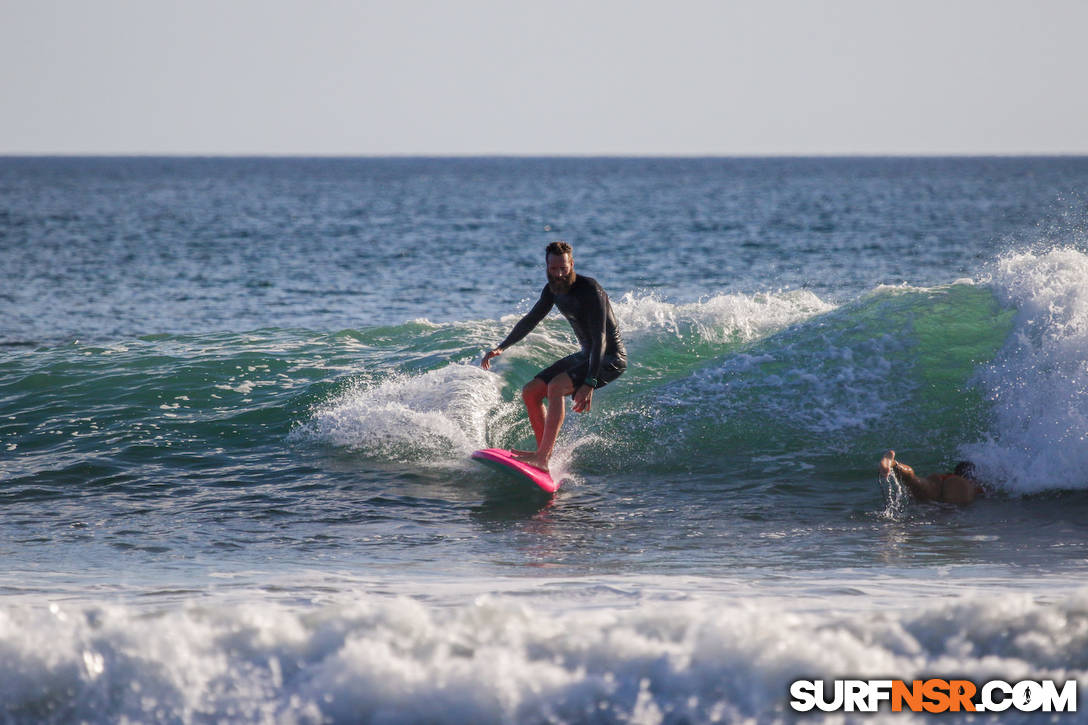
x: 588, y: 311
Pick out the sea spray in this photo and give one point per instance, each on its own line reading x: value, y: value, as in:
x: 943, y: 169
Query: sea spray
x: 1037, y: 387
x: 438, y: 415
x: 895, y: 496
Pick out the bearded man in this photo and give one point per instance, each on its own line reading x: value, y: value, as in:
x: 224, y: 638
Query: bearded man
x: 601, y: 360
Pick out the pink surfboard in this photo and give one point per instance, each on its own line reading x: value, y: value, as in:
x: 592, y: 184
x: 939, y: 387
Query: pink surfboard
x: 505, y: 458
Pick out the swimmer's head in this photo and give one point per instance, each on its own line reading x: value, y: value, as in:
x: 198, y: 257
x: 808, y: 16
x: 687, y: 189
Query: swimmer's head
x: 560, y: 259
x: 965, y: 469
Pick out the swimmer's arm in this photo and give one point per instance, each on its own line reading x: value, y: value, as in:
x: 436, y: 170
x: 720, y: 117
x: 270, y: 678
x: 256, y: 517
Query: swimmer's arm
x: 922, y: 489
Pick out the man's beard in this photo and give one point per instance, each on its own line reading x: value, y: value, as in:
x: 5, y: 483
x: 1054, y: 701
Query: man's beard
x: 561, y: 285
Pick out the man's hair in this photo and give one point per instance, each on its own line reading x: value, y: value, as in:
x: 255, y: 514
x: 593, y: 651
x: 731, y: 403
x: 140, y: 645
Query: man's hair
x: 965, y: 469
x: 559, y: 248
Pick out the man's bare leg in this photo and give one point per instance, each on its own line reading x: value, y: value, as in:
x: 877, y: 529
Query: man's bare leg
x: 533, y: 394
x: 558, y: 389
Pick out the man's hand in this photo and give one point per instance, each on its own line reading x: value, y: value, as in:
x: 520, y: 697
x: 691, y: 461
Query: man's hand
x: 486, y: 362
x: 887, y: 464
x: 583, y: 399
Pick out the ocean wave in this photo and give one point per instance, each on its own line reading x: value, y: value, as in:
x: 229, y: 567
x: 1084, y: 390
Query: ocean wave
x: 372, y: 659
x: 718, y: 380
x: 997, y: 364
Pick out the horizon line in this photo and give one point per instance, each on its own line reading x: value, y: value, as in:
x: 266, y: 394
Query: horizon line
x: 473, y: 155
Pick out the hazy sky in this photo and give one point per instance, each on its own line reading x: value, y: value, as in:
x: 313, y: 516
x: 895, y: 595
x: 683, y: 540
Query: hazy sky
x: 553, y: 77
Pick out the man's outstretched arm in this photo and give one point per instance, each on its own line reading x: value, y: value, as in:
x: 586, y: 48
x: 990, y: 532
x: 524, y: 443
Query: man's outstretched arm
x: 524, y: 327
x: 921, y: 488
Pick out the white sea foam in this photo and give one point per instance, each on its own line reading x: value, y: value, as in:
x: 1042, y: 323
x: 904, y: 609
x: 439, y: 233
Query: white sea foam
x: 438, y: 415
x: 500, y: 660
x: 721, y: 318
x: 1038, y: 384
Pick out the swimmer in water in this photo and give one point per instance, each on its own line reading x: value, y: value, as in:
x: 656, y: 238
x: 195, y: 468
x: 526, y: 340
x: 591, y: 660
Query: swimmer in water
x: 601, y: 360
x: 957, y: 487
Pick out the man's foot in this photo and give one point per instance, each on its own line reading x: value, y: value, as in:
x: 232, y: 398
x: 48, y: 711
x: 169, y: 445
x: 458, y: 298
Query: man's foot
x: 521, y: 455
x: 536, y: 462
x: 887, y: 463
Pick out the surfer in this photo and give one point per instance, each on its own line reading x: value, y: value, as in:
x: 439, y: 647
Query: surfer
x: 957, y: 487
x: 601, y: 360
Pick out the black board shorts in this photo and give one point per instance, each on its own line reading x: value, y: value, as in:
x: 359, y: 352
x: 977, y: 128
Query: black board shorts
x: 576, y: 366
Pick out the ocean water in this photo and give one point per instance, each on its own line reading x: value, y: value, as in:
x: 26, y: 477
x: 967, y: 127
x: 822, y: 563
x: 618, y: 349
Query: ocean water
x: 238, y: 396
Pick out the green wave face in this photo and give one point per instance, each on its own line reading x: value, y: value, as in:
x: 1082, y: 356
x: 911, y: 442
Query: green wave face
x: 827, y: 393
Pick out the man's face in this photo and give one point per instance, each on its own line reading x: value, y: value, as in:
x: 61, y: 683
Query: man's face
x: 560, y: 273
